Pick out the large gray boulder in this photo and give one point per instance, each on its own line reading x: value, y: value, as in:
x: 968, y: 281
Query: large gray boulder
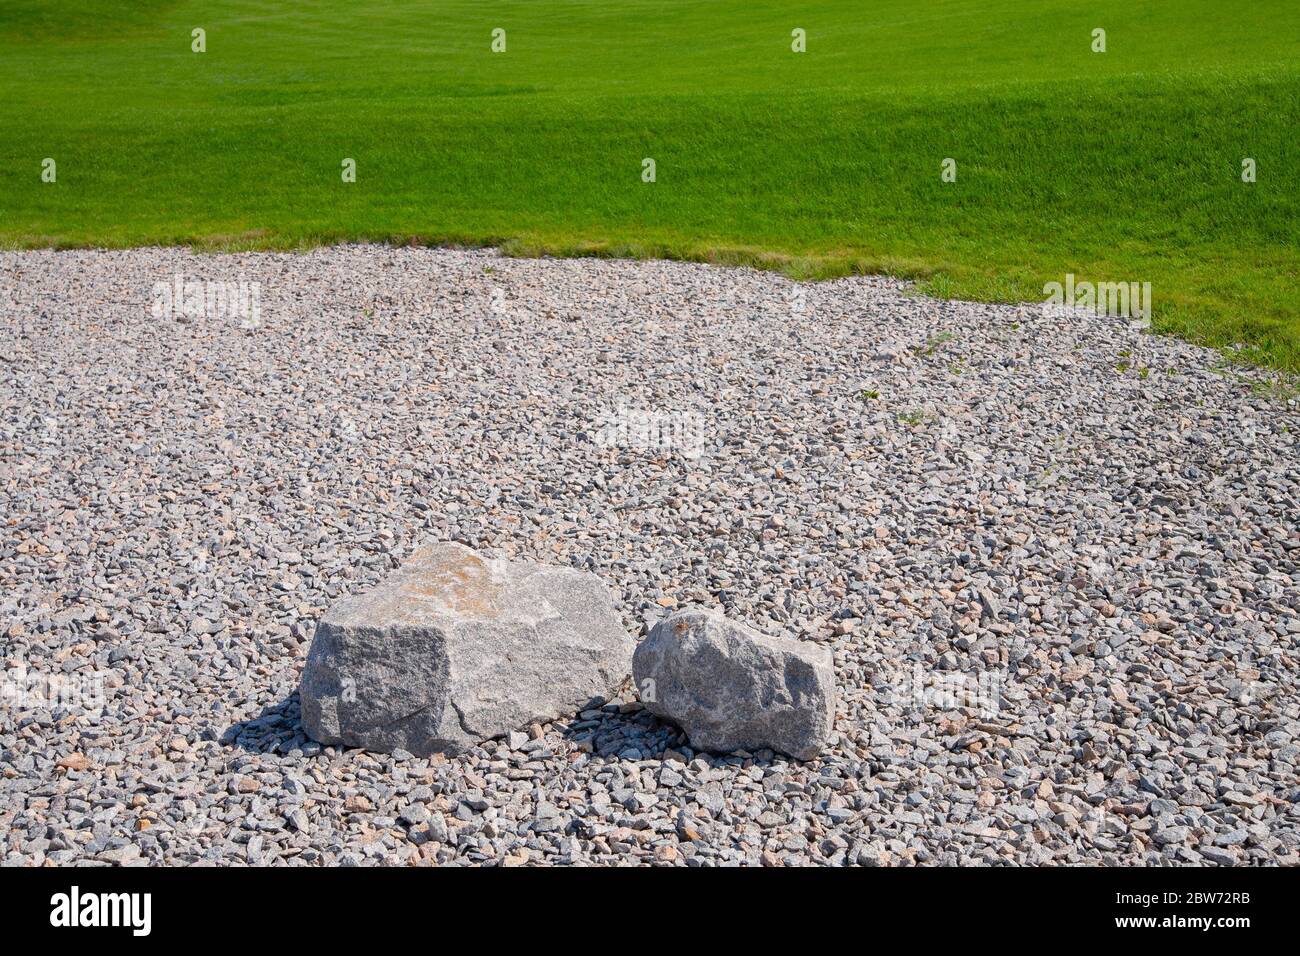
x: 732, y: 688
x: 454, y: 649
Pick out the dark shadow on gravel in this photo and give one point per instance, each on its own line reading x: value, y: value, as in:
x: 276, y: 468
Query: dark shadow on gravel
x: 622, y: 733
x: 278, y: 729
x: 619, y: 732
x: 616, y: 733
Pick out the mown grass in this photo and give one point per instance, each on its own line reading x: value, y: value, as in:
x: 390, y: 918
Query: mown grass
x: 1120, y: 166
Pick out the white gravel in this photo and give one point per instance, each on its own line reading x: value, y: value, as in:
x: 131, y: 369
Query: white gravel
x: 1055, y: 558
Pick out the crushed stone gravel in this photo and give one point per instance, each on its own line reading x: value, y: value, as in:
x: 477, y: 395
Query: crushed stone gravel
x: 1055, y: 559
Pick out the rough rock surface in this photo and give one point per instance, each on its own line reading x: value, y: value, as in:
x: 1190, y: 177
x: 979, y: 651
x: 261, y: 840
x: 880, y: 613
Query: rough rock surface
x: 454, y: 649
x: 731, y: 688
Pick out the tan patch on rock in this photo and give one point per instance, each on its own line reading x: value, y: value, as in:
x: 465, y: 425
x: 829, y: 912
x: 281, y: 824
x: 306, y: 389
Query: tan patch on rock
x: 463, y: 584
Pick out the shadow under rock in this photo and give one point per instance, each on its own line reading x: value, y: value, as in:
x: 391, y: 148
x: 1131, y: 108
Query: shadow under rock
x: 607, y: 730
x: 622, y: 731
x: 629, y: 732
x: 278, y: 729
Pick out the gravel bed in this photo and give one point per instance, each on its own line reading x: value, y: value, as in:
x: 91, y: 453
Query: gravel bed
x: 1055, y: 559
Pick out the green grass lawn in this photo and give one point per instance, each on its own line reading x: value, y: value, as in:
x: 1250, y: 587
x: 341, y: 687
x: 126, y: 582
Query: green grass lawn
x: 1116, y: 166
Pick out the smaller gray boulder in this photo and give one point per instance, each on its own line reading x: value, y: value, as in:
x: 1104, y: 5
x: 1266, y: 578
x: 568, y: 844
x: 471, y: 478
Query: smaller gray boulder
x: 732, y: 688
